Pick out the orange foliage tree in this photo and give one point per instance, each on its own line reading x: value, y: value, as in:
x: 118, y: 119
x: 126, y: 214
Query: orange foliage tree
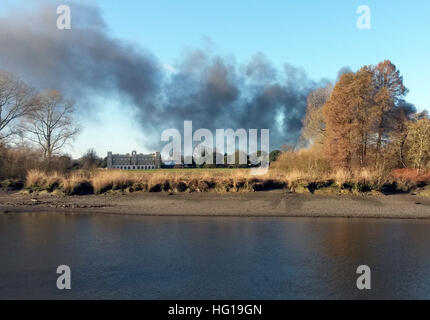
x: 363, y: 111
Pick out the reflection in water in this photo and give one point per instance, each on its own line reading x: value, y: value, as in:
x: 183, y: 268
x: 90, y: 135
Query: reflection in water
x: 212, y: 258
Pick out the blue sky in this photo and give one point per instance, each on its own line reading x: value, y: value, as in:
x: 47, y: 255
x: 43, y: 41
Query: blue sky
x: 320, y: 36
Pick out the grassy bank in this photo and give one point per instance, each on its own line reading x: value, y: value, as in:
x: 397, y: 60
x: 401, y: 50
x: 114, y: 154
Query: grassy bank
x: 221, y: 181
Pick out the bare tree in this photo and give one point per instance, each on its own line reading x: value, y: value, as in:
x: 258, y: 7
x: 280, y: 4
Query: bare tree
x: 17, y: 100
x: 313, y: 130
x: 53, y: 124
x: 418, y: 141
x: 90, y: 160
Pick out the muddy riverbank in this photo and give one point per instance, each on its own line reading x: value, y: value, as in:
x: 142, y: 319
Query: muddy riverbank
x: 273, y: 203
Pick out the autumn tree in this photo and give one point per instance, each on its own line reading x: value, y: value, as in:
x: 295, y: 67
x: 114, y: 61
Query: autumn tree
x: 397, y: 149
x: 348, y: 117
x: 389, y: 93
x: 338, y: 123
x: 418, y: 141
x: 53, y: 124
x: 386, y: 75
x: 363, y: 112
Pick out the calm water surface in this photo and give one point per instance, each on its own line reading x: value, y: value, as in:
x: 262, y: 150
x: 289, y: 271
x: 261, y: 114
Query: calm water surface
x: 130, y: 257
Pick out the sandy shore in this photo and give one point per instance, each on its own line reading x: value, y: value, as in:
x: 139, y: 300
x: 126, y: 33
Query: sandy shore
x: 274, y: 203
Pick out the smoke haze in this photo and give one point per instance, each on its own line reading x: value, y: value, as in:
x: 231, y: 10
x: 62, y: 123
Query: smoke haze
x: 211, y: 90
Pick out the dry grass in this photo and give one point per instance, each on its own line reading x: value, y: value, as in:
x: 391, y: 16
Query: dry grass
x: 42, y: 180
x: 201, y: 180
x: 215, y: 180
x: 309, y: 163
x: 311, y: 166
x: 341, y: 177
x: 410, y: 179
x: 413, y: 175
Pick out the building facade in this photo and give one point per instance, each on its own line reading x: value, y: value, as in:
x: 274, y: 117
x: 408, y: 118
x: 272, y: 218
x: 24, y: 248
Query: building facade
x: 134, y: 161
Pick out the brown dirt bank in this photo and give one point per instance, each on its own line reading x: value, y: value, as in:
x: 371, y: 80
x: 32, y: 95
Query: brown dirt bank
x: 273, y: 203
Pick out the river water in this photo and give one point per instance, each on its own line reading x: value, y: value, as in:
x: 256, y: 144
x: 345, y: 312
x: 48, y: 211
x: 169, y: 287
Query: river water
x: 135, y: 257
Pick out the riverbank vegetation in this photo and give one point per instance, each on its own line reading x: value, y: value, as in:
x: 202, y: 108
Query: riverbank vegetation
x: 224, y: 180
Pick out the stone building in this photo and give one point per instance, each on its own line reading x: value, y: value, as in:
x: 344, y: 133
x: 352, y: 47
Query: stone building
x: 134, y: 161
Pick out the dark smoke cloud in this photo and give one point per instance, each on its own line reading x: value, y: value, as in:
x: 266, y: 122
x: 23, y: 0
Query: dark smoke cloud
x: 214, y: 92
x: 211, y: 90
x: 83, y: 61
